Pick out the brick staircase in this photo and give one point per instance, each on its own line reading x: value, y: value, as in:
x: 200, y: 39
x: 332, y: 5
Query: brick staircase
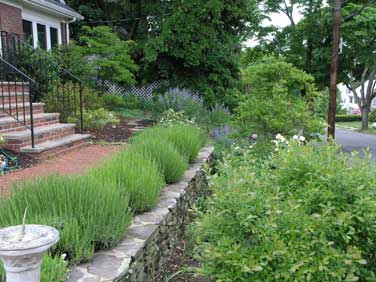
x: 51, y: 137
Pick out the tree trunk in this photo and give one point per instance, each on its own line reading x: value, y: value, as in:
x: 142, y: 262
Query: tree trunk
x: 365, y: 116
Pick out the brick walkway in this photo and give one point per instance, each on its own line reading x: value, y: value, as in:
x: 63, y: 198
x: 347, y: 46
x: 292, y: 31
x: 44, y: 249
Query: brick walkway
x: 75, y: 162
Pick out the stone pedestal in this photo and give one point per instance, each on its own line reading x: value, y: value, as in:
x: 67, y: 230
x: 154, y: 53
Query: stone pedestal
x: 22, y: 248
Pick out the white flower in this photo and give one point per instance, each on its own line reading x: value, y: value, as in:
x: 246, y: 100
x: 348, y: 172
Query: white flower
x: 63, y: 256
x: 302, y: 138
x: 295, y: 137
x: 279, y: 137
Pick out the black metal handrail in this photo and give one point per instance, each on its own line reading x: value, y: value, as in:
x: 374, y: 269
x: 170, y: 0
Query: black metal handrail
x: 57, y: 87
x: 13, y: 81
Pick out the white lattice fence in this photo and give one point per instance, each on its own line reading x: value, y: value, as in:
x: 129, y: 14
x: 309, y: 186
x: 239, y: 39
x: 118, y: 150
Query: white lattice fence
x: 144, y: 92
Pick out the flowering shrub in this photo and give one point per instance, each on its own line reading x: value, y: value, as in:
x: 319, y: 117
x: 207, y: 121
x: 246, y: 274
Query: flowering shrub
x: 170, y: 118
x: 304, y: 213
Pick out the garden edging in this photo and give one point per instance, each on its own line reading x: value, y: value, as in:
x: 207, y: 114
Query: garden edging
x: 152, y: 236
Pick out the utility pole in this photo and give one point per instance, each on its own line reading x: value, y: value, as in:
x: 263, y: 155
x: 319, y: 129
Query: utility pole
x: 334, y: 68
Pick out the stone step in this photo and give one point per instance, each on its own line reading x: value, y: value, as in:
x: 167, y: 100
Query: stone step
x: 12, y: 109
x: 8, y: 124
x: 17, y: 139
x: 58, y: 146
x: 14, y: 97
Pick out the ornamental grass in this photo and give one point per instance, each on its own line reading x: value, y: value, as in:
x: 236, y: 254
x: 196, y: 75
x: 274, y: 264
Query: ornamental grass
x: 137, y: 177
x: 89, y: 216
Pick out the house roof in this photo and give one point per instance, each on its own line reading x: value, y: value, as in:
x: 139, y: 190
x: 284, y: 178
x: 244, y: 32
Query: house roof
x: 57, y: 7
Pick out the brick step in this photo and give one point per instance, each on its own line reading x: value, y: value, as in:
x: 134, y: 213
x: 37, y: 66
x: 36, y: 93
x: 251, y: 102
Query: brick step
x: 8, y: 124
x: 58, y: 146
x: 14, y: 97
x: 17, y: 139
x: 6, y: 86
x: 38, y: 108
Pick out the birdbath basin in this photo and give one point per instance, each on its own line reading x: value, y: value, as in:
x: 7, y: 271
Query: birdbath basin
x: 22, y: 248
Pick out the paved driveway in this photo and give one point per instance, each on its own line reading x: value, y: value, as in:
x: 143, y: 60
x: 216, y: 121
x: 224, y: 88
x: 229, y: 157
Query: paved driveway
x: 355, y: 141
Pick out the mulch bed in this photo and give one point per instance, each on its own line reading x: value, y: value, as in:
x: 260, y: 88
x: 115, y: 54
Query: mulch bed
x: 24, y: 161
x: 180, y: 267
x: 117, y: 133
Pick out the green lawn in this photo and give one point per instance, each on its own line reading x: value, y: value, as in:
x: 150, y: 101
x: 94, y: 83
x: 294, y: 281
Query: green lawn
x: 355, y: 125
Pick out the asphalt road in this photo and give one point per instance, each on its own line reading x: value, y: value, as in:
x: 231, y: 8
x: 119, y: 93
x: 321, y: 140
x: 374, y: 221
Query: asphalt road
x: 356, y: 141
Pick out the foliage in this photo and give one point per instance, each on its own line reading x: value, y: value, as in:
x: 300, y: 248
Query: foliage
x: 85, y: 212
x: 346, y: 117
x: 171, y: 164
x: 125, y: 169
x: 190, y: 107
x: 372, y: 116
x: 133, y: 102
x: 187, y: 139
x: 65, y: 101
x: 201, y: 53
x: 96, y: 119
x: 113, y: 101
x: 278, y: 98
x: 321, y: 103
x: 305, y: 213
x: 100, y: 55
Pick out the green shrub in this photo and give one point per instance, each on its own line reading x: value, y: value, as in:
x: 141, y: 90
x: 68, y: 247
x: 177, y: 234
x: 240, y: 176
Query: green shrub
x: 345, y: 118
x: 63, y: 102
x: 132, y: 102
x: 136, y: 176
x: 113, y: 101
x: 171, y: 164
x: 88, y: 215
x: 305, y: 214
x: 96, y: 119
x: 372, y: 116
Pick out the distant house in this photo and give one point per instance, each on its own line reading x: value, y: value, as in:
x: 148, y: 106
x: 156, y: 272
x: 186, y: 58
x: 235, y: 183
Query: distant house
x: 348, y: 100
x: 42, y: 23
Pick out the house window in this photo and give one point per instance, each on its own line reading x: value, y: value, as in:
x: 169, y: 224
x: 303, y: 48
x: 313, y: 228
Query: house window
x: 54, y: 37
x: 42, y: 39
x: 351, y: 100
x: 27, y: 27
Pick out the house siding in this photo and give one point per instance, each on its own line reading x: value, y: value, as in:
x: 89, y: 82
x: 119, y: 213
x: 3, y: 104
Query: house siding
x: 10, y: 19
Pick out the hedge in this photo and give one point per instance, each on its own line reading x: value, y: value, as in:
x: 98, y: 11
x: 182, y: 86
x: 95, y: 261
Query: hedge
x: 344, y: 118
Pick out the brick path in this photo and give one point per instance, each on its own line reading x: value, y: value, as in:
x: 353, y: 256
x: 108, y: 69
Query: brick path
x: 75, y: 162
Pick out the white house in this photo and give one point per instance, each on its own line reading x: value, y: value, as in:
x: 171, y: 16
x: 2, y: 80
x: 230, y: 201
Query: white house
x: 348, y: 100
x: 42, y: 23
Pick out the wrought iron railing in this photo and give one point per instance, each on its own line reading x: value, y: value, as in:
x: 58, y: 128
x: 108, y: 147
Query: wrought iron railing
x: 16, y: 99
x: 58, y: 88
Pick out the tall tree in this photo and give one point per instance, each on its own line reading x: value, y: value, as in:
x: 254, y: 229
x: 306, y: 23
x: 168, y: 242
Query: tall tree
x: 358, y: 59
x: 199, y: 44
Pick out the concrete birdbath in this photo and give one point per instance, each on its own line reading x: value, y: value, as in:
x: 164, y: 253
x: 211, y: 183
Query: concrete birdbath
x: 22, y: 248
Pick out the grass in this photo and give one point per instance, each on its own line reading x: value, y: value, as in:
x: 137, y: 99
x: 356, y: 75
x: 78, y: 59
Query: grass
x: 171, y: 164
x: 93, y: 211
x: 88, y: 215
x: 136, y: 176
x: 356, y: 125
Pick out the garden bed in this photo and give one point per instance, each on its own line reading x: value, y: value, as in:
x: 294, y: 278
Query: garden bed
x: 153, y: 236
x: 120, y: 132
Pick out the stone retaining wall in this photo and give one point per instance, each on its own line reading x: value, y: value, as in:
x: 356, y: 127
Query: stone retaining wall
x: 152, y: 236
